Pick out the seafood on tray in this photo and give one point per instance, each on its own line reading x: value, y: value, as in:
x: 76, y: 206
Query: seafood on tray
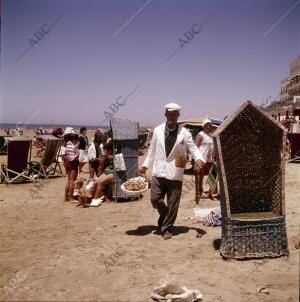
x: 136, y: 184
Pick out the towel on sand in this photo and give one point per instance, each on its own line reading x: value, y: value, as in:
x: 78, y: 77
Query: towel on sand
x: 209, y: 216
x: 171, y: 292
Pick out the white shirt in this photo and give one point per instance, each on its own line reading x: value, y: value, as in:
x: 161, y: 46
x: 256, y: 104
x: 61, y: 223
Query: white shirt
x: 206, y: 147
x: 164, y: 166
x: 91, y: 153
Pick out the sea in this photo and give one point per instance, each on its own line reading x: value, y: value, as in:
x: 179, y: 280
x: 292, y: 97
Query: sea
x: 48, y: 126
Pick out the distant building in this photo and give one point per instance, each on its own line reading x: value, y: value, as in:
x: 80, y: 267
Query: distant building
x: 293, y: 87
x: 295, y: 67
x: 289, y: 93
x: 284, y: 95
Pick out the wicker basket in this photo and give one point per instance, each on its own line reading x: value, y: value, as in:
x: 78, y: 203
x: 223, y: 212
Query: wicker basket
x: 250, y: 155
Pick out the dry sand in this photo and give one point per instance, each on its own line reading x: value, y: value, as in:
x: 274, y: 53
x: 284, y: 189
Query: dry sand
x: 54, y: 251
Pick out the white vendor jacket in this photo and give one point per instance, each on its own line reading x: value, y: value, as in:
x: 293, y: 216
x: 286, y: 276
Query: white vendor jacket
x: 165, y: 166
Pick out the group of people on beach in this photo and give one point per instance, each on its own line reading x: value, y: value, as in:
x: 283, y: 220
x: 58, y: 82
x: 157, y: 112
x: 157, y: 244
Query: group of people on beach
x: 19, y: 131
x: 167, y: 154
x: 14, y: 132
x: 76, y: 153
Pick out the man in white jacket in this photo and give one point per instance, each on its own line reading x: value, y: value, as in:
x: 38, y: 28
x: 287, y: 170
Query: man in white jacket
x: 167, y: 153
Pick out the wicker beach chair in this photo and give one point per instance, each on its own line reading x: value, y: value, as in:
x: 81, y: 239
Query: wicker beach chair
x: 251, y: 167
x: 18, y: 157
x: 125, y: 141
x: 49, y: 164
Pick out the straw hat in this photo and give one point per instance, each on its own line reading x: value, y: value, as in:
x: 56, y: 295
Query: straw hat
x: 206, y: 121
x: 69, y: 130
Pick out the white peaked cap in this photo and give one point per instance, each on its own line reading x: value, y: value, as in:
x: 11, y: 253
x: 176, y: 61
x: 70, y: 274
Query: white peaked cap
x: 172, y: 107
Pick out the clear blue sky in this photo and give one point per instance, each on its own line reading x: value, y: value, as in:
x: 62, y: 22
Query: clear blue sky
x: 99, y: 51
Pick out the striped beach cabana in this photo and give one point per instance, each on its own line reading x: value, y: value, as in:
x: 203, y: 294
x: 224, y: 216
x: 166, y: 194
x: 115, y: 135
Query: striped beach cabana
x: 125, y: 142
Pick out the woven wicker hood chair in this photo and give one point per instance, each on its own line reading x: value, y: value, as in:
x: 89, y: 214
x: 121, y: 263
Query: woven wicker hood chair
x: 250, y: 150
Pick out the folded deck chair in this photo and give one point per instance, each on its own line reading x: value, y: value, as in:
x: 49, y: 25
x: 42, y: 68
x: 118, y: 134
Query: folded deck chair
x: 3, y: 146
x: 212, y: 178
x: 49, y: 164
x: 18, y: 157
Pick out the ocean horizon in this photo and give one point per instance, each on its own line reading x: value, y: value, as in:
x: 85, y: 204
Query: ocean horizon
x: 52, y: 126
x: 47, y: 126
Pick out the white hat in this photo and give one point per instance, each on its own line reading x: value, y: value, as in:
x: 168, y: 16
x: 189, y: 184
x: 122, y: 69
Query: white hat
x: 69, y: 130
x: 172, y: 107
x: 206, y: 121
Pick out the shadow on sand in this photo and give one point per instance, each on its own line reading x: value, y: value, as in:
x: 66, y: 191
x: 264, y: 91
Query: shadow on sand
x: 144, y: 230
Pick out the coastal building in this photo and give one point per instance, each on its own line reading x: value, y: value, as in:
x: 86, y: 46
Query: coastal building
x: 289, y: 98
x: 293, y: 85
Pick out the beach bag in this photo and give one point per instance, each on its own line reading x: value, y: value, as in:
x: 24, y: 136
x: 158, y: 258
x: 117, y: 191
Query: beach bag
x: 119, y: 162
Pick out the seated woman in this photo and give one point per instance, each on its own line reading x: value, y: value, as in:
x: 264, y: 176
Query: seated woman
x: 107, y: 173
x: 94, y: 189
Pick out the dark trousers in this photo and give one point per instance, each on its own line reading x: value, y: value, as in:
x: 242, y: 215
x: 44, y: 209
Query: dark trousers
x: 168, y: 212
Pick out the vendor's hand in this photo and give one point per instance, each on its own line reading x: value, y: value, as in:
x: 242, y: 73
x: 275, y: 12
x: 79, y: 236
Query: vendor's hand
x: 142, y: 171
x: 199, y: 165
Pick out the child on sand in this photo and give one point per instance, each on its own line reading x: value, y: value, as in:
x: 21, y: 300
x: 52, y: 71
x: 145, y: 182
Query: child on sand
x: 71, y: 161
x: 85, y: 190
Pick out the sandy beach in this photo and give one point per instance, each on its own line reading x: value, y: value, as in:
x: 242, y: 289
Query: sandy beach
x: 204, y: 94
x: 52, y: 250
